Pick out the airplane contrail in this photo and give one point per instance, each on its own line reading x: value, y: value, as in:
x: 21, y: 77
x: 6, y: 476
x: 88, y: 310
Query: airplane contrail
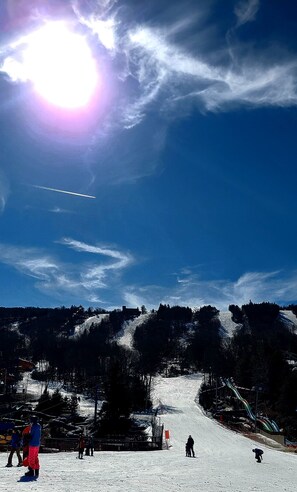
x: 63, y: 191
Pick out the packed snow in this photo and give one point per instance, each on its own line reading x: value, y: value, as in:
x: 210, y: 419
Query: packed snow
x: 224, y: 459
x: 227, y: 324
x: 86, y: 325
x: 125, y: 337
x: 290, y: 319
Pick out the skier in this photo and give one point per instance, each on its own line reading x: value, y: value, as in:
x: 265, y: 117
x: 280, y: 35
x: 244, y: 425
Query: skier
x: 15, y: 444
x: 87, y: 450
x: 34, y: 444
x: 188, y: 454
x: 90, y: 445
x: 190, y: 446
x: 26, y: 439
x: 258, y: 454
x: 81, y: 446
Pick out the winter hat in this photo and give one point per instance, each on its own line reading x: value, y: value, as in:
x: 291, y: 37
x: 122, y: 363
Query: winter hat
x: 34, y: 419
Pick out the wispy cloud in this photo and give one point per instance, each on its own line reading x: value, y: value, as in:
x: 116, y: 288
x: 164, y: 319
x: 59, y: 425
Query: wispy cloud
x: 29, y: 261
x: 59, y: 210
x: 81, y: 281
x: 162, y: 69
x: 157, y: 71
x: 102, y: 281
x: 215, y: 87
x: 4, y: 191
x: 190, y: 290
x: 246, y: 11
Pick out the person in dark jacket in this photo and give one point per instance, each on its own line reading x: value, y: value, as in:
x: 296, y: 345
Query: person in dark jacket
x: 81, y: 446
x: 34, y: 444
x: 15, y: 446
x: 190, y: 446
x: 188, y: 454
x: 258, y: 454
x: 91, y: 444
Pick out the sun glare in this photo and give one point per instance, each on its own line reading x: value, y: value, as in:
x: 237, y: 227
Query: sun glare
x: 60, y: 65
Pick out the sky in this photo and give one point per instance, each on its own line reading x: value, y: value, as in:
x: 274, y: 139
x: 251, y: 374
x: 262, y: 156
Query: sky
x: 224, y: 459
x: 168, y: 175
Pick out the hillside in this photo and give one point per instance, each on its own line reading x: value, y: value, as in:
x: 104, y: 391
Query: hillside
x: 224, y: 459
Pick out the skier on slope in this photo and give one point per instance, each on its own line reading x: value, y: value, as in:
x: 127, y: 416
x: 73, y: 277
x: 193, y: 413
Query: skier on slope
x: 25, y: 440
x: 190, y: 446
x: 15, y: 445
x: 81, y: 446
x: 34, y: 444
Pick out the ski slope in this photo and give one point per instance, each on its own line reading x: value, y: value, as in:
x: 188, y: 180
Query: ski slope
x: 86, y: 325
x: 125, y: 337
x: 224, y: 462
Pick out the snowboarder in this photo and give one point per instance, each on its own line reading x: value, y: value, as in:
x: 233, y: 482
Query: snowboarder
x: 190, y: 446
x: 15, y: 445
x: 34, y: 444
x: 258, y: 454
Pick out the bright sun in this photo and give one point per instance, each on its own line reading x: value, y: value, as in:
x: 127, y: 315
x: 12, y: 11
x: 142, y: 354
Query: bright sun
x: 60, y: 65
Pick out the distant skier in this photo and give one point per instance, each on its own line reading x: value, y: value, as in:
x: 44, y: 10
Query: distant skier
x: 190, y: 446
x: 87, y: 449
x: 188, y: 454
x: 258, y: 454
x: 91, y: 444
x: 81, y: 446
x: 15, y: 445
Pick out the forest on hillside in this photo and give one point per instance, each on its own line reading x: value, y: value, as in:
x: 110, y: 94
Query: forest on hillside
x: 261, y: 352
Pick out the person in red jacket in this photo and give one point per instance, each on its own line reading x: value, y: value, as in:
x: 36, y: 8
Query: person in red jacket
x: 34, y: 444
x: 26, y: 439
x: 81, y: 446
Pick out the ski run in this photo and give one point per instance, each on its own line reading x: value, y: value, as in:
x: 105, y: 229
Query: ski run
x: 224, y: 459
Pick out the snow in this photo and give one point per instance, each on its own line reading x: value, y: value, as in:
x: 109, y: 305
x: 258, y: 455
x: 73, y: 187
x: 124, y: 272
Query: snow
x: 290, y: 319
x: 86, y: 325
x: 224, y: 462
x: 227, y: 324
x: 33, y: 387
x: 125, y: 337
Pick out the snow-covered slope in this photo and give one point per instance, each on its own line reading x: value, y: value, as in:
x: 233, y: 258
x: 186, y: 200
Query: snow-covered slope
x: 224, y: 462
x: 85, y: 326
x: 289, y: 319
x: 228, y: 326
x: 125, y: 336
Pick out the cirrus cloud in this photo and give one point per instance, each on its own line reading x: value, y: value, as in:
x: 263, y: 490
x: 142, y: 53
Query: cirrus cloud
x: 82, y: 281
x: 155, y: 69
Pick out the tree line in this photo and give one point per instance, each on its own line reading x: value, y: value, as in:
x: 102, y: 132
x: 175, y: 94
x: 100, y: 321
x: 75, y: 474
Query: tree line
x: 262, y: 351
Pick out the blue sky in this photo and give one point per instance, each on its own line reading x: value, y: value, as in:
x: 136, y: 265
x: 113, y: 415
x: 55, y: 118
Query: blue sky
x: 188, y: 146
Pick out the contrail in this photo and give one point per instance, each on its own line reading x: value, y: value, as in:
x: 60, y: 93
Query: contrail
x: 63, y: 191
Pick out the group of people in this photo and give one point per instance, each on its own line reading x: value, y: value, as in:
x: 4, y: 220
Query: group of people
x: 29, y: 442
x: 190, y: 450
x: 85, y: 445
